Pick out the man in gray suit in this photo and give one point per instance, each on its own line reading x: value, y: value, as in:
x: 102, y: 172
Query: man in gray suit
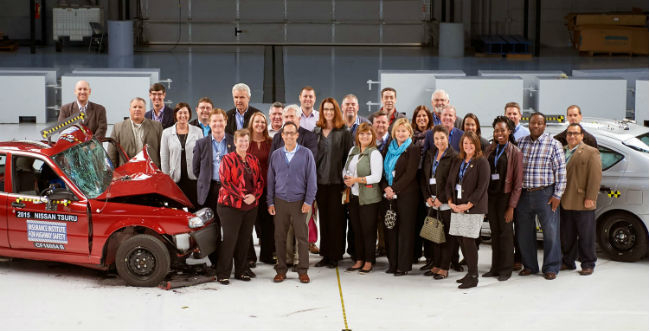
x: 95, y: 114
x: 134, y: 133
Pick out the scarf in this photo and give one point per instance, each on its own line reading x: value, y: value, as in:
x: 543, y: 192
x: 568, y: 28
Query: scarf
x: 392, y: 155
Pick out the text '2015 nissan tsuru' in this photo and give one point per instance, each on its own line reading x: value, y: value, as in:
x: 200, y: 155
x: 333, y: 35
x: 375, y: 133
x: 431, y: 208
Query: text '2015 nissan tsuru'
x: 65, y: 202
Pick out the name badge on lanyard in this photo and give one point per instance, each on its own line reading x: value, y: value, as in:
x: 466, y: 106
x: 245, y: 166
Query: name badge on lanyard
x: 432, y: 181
x: 495, y: 176
x: 459, y: 191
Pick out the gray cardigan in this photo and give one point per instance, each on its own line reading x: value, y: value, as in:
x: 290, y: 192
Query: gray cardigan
x: 170, y: 151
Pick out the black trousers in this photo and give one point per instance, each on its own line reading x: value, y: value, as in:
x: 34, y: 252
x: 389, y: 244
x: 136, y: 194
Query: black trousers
x: 237, y: 226
x: 421, y: 246
x: 362, y: 220
x: 502, y: 234
x: 441, y: 253
x: 264, y: 229
x: 332, y: 222
x: 470, y: 253
x: 578, y: 236
x: 400, y: 240
x: 211, y: 202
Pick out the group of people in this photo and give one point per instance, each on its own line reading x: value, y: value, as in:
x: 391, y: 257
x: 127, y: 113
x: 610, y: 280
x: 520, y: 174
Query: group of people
x: 371, y: 182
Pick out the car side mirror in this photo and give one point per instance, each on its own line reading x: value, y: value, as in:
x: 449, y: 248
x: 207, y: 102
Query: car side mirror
x: 61, y: 194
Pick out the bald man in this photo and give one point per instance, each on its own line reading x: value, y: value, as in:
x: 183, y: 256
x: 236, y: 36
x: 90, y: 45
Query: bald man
x: 95, y: 114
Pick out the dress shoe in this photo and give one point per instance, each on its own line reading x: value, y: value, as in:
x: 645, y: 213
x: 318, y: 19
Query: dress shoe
x: 490, y: 274
x: 471, y: 281
x: 303, y: 278
x: 457, y: 267
x: 365, y: 271
x: 332, y: 265
x: 586, y: 271
x: 223, y: 281
x: 268, y: 261
x: 503, y: 278
x: 400, y: 273
x: 252, y: 264
x: 390, y: 270
x: 250, y: 273
x: 462, y: 280
x: 427, y: 266
x: 525, y: 272
x: 279, y: 278
x: 566, y: 267
x: 550, y: 275
x: 322, y: 263
x: 243, y: 277
x: 313, y: 248
x: 517, y: 266
x: 442, y: 274
x: 350, y: 269
x: 429, y: 273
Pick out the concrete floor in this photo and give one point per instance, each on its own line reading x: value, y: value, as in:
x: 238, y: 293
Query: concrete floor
x: 45, y: 295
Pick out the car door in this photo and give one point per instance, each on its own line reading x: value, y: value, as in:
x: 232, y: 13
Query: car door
x: 4, y: 238
x: 33, y: 222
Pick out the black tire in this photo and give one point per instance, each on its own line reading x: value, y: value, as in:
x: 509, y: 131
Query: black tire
x: 623, y: 237
x: 142, y: 260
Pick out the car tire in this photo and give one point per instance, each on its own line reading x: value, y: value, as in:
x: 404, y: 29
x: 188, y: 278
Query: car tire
x: 142, y: 260
x: 623, y: 237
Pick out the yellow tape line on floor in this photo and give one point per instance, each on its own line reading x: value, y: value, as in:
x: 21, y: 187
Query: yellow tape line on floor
x: 345, y: 319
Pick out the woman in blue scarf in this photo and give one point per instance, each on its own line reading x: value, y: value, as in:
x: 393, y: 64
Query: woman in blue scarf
x: 400, y: 187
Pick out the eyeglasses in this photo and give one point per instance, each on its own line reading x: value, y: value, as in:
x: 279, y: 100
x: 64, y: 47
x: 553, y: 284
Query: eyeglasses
x: 569, y: 133
x: 289, y: 133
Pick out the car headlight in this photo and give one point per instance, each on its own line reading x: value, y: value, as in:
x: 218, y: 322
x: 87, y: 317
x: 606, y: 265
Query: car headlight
x: 201, y: 218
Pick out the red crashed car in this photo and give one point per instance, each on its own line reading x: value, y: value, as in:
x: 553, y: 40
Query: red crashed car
x: 65, y: 202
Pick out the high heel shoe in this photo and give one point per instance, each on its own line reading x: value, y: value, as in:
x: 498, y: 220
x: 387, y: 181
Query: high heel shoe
x: 442, y: 274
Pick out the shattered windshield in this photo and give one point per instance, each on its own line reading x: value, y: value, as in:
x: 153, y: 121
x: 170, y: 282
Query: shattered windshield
x: 88, y: 166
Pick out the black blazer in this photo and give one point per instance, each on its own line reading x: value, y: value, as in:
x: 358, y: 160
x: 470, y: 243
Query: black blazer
x: 474, y: 186
x: 231, y: 125
x: 306, y: 138
x: 202, y: 165
x: 168, y: 116
x: 406, y: 168
x: 341, y: 139
x: 442, y: 172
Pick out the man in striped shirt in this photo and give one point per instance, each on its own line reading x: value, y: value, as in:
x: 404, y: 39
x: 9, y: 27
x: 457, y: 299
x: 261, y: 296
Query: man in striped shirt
x: 543, y: 186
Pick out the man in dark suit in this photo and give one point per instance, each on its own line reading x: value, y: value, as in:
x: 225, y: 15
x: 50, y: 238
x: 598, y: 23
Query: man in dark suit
x: 578, y: 203
x: 159, y: 111
x: 95, y: 114
x: 306, y: 138
x: 574, y: 115
x: 239, y: 116
x: 208, y: 153
x: 134, y: 133
x: 380, y: 124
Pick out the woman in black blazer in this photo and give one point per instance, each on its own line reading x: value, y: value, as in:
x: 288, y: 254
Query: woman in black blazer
x: 435, y: 170
x: 400, y: 188
x: 467, y: 185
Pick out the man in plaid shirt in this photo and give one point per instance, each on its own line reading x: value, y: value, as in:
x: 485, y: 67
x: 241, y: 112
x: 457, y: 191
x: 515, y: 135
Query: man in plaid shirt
x: 543, y: 186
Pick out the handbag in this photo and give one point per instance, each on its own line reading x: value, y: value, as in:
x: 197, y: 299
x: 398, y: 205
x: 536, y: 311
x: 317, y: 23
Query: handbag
x: 465, y: 225
x: 433, y: 229
x: 390, y: 219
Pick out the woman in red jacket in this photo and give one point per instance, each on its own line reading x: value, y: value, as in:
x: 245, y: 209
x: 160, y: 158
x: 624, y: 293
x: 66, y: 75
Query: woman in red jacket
x: 241, y: 188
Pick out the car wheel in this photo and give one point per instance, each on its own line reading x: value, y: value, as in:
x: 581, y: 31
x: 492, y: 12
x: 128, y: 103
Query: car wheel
x: 623, y: 237
x: 142, y: 260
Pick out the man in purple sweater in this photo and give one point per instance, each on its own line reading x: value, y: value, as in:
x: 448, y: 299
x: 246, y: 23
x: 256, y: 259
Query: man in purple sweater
x: 291, y: 189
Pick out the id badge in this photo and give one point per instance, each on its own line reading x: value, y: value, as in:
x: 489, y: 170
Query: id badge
x: 393, y: 173
x: 459, y: 191
x: 495, y: 176
x: 432, y: 181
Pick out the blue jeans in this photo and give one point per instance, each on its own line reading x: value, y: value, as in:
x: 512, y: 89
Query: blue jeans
x: 533, y: 204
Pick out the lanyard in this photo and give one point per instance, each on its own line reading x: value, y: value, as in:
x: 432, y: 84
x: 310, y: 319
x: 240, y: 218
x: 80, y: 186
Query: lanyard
x: 463, y: 168
x: 436, y: 162
x: 498, y: 154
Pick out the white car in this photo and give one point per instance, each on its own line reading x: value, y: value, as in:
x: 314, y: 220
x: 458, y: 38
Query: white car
x: 622, y: 205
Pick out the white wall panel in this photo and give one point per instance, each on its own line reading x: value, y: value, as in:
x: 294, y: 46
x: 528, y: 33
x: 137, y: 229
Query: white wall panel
x: 114, y: 92
x: 530, y: 78
x: 596, y: 97
x: 483, y: 96
x: 641, y: 102
x: 22, y: 94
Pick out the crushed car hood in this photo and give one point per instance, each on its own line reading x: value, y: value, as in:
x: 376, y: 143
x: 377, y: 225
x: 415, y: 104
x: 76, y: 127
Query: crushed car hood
x: 140, y: 176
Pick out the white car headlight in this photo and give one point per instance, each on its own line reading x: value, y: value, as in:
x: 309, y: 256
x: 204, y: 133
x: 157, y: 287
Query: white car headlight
x: 201, y: 218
